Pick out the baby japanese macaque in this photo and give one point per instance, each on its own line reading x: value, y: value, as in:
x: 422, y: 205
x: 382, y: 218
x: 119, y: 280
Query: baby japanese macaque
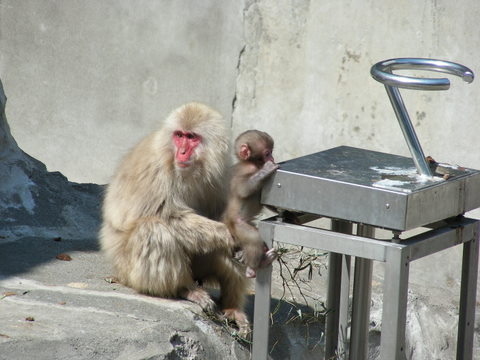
x: 253, y: 149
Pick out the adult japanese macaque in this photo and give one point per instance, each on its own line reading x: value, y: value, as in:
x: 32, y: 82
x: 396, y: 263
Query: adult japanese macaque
x: 253, y: 149
x: 160, y: 209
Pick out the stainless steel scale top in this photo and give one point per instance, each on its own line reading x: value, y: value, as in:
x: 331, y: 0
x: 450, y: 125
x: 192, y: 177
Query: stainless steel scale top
x: 373, y: 188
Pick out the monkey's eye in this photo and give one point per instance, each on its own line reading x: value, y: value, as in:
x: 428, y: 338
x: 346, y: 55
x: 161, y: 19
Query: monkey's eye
x: 191, y: 136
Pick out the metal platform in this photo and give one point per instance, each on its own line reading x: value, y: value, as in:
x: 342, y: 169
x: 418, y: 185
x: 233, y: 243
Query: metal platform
x: 376, y: 190
x: 373, y: 188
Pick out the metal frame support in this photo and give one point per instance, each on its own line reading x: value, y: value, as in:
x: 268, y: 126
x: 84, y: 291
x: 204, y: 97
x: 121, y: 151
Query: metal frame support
x: 343, y: 318
x: 333, y: 305
x: 395, y: 294
x: 362, y: 295
x: 261, y: 313
x: 468, y: 294
x: 397, y: 258
x: 337, y: 297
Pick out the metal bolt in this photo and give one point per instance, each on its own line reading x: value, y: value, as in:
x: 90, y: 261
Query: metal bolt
x: 396, y: 236
x: 279, y: 185
x: 387, y: 206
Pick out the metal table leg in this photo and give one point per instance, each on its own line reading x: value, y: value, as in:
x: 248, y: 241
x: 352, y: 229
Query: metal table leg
x: 343, y: 317
x: 397, y: 258
x: 395, y: 290
x: 362, y: 294
x: 333, y: 305
x: 337, y: 300
x: 468, y: 294
x: 261, y: 325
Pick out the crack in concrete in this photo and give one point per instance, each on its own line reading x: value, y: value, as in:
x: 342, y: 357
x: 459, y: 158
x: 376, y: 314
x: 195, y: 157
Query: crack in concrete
x: 234, y: 100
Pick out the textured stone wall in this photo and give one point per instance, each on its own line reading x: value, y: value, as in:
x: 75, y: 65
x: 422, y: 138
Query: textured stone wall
x: 87, y: 79
x: 93, y: 77
x: 305, y: 75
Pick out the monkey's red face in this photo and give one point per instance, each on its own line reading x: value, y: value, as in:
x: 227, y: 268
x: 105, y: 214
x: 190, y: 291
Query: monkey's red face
x: 185, y: 143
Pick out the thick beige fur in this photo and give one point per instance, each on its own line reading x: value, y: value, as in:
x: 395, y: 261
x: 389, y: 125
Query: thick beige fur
x: 159, y: 222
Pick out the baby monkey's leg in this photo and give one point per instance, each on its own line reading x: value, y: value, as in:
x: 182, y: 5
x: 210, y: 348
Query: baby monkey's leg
x: 255, y: 253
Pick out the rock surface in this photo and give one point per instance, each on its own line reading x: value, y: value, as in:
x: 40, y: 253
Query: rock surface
x: 35, y: 202
x: 55, y: 309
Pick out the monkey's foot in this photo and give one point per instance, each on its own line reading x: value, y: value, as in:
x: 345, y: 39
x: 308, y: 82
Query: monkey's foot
x: 200, y: 297
x: 240, y: 319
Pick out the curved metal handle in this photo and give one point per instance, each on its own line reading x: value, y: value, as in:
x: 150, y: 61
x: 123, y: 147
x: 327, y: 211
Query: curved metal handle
x: 382, y: 72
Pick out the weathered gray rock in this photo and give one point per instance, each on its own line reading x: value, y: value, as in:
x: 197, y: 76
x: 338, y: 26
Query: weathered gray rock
x: 35, y: 202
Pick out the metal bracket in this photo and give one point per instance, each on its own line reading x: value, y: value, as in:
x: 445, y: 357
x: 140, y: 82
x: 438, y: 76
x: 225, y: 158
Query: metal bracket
x: 382, y: 72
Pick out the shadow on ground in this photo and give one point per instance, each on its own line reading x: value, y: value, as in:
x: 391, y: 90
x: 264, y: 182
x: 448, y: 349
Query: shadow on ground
x: 24, y: 255
x: 295, y: 331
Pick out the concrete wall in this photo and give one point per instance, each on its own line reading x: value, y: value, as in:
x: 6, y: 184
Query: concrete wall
x: 86, y: 79
x: 305, y: 75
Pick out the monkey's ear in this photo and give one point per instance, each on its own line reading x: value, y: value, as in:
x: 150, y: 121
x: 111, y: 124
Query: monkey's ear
x: 244, y: 152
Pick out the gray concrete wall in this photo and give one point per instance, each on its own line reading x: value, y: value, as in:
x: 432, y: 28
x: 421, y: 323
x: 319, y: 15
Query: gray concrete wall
x: 86, y: 79
x: 305, y: 75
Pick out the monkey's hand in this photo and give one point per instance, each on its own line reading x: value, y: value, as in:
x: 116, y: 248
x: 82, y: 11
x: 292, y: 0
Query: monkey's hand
x: 230, y: 242
x: 269, y: 257
x: 224, y: 237
x: 255, y: 182
x: 269, y: 167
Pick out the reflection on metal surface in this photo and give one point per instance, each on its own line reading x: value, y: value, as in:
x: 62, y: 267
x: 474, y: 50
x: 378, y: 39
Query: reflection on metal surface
x: 371, y: 187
